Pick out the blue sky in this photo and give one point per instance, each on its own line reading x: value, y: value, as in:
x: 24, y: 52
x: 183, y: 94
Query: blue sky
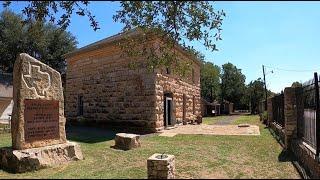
x: 282, y: 35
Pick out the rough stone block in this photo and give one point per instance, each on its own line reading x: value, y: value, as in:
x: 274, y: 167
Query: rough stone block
x: 20, y: 161
x: 126, y: 141
x: 161, y: 166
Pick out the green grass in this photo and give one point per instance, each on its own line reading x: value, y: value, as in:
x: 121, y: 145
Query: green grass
x: 248, y: 119
x: 4, y: 128
x: 197, y: 156
x: 214, y: 120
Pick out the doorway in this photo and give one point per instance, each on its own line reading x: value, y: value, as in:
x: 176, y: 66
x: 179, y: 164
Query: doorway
x: 184, y: 110
x: 168, y: 110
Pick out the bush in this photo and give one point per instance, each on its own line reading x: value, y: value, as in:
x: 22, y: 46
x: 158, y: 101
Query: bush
x: 263, y: 116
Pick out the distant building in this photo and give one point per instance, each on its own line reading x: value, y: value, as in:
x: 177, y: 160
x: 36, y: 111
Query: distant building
x: 227, y: 107
x: 6, y: 92
x: 101, y: 88
x: 209, y: 109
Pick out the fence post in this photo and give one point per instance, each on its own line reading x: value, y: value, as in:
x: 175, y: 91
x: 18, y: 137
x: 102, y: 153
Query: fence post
x: 290, y: 116
x: 316, y: 84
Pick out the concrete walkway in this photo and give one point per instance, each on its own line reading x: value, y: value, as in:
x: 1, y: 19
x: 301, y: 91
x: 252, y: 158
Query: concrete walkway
x: 204, y: 129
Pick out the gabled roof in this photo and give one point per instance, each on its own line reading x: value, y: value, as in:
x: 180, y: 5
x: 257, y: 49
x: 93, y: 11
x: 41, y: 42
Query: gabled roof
x: 117, y: 37
x: 100, y: 43
x: 214, y: 103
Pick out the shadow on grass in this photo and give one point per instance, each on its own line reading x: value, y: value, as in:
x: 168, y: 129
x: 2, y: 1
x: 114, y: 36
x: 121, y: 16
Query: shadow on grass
x: 89, y: 134
x: 286, y: 156
x: 276, y: 136
x: 239, y: 114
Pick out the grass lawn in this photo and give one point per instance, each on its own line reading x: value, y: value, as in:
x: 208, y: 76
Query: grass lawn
x: 4, y: 128
x: 197, y: 156
x: 214, y: 119
x: 249, y: 120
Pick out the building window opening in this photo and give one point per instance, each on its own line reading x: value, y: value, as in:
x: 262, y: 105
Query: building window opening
x: 80, y: 105
x: 194, y: 105
x: 168, y: 71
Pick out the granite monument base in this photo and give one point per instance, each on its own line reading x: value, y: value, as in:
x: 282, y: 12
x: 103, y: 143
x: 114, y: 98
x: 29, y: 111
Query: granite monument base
x: 20, y: 161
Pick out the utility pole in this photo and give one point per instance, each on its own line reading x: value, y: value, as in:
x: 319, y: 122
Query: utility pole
x: 265, y: 88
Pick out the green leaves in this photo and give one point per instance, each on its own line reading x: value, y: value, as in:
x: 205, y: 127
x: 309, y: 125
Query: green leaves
x: 233, y: 86
x: 43, y: 41
x: 42, y: 10
x: 210, y: 81
x: 255, y: 94
x: 175, y: 21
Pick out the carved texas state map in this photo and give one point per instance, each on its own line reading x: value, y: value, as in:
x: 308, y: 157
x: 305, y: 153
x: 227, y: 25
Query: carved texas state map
x: 36, y: 79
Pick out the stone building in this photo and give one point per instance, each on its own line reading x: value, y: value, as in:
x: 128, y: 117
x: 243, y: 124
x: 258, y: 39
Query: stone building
x: 102, y: 88
x: 209, y: 109
x: 226, y: 107
x: 6, y: 90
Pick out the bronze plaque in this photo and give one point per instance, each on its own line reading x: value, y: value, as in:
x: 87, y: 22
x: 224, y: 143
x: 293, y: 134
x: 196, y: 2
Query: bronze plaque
x: 41, y: 120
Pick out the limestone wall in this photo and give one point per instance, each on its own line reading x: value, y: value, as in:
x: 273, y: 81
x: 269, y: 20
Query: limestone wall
x: 177, y: 88
x: 111, y: 91
x: 117, y: 95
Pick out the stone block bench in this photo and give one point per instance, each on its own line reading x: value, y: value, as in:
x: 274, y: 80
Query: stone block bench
x: 126, y: 141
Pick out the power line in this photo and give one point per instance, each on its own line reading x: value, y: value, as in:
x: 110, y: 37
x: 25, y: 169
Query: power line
x: 294, y: 70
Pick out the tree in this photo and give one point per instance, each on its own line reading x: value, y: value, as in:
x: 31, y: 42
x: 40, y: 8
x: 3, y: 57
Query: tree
x: 42, y: 10
x: 233, y: 85
x: 174, y: 21
x: 256, y: 94
x: 43, y: 41
x: 210, y: 81
x: 296, y: 84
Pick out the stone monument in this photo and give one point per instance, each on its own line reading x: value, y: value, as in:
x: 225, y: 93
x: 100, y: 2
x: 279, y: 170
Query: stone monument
x: 38, y: 122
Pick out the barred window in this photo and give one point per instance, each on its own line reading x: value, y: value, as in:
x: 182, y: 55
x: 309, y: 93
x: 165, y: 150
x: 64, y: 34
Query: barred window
x: 80, y: 105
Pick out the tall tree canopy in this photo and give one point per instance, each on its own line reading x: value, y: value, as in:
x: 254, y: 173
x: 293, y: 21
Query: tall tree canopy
x: 174, y: 21
x: 256, y: 94
x: 210, y: 81
x: 296, y: 84
x: 233, y: 85
x: 43, y: 41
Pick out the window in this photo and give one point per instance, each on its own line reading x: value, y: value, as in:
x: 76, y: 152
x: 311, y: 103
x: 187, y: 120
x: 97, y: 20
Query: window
x: 80, y: 105
x: 168, y: 71
x: 194, y: 105
x: 193, y: 80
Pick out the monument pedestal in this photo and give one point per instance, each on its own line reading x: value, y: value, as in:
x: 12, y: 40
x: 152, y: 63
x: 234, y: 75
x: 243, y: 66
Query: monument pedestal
x: 19, y: 161
x: 38, y: 122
